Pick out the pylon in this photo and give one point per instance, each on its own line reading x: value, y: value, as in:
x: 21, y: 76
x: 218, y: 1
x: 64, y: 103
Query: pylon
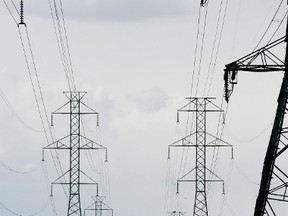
x: 77, y: 142
x: 201, y: 142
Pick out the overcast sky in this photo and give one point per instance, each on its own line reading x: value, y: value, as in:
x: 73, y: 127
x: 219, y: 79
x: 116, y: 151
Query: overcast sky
x: 135, y: 60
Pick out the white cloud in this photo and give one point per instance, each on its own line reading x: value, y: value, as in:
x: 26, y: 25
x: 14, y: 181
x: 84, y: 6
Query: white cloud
x: 150, y: 100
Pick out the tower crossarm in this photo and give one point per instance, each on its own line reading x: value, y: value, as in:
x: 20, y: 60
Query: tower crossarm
x: 98, y: 206
x: 90, y: 144
x: 261, y: 60
x: 186, y: 142
x: 87, y: 144
x: 212, y: 178
x: 59, y: 144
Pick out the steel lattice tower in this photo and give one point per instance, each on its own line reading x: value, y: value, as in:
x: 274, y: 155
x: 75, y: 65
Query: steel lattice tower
x: 77, y: 142
x: 273, y: 185
x: 201, y: 142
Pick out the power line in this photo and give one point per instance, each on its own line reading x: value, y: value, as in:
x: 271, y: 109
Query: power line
x: 14, y: 113
x: 277, y: 29
x: 16, y: 171
x: 10, y: 12
x: 62, y: 41
x: 268, y: 27
x: 9, y: 210
x: 220, y: 33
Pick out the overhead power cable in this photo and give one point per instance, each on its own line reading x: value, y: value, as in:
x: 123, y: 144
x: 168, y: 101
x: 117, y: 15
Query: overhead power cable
x: 14, y: 113
x: 10, y: 12
x: 216, y: 44
x: 62, y: 41
x: 47, y: 129
x: 16, y: 9
x: 268, y: 27
x: 16, y: 171
x: 9, y: 210
x: 278, y: 27
x: 39, y: 103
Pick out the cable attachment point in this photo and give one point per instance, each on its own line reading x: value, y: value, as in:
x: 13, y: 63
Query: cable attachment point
x: 106, y: 155
x: 21, y: 14
x: 97, y: 124
x: 230, y: 79
x: 43, y: 155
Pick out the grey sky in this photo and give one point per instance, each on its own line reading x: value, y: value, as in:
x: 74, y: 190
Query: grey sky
x: 113, y: 10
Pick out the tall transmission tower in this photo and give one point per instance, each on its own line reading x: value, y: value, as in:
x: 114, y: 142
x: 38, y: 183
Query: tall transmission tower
x: 200, y: 140
x: 76, y: 143
x: 273, y: 185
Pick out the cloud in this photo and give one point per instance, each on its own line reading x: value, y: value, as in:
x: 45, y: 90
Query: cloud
x: 114, y: 10
x: 150, y: 100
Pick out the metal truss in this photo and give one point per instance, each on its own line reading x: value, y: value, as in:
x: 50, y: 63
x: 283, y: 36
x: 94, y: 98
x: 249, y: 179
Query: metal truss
x: 176, y: 213
x: 201, y: 142
x: 98, y: 207
x: 274, y: 180
x: 261, y: 60
x: 76, y: 143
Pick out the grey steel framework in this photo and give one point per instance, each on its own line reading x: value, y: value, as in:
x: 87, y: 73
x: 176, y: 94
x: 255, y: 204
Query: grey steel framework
x: 98, y: 207
x: 176, y: 213
x: 77, y: 142
x: 274, y: 180
x: 203, y: 139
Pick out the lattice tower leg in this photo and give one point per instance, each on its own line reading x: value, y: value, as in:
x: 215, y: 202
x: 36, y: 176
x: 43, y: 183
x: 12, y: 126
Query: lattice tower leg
x: 200, y: 205
x: 74, y: 206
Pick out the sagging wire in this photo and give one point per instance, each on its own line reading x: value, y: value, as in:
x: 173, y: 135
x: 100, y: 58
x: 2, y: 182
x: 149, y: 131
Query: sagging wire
x: 9, y: 210
x: 218, y: 45
x: 277, y: 29
x: 60, y: 172
x: 29, y: 71
x: 268, y: 27
x: 66, y: 63
x: 17, y: 171
x: 200, y: 24
x: 14, y: 113
x: 101, y: 171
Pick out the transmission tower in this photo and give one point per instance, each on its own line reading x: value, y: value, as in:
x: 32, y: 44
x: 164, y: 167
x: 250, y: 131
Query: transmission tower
x: 200, y: 140
x: 274, y: 180
x: 76, y: 143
